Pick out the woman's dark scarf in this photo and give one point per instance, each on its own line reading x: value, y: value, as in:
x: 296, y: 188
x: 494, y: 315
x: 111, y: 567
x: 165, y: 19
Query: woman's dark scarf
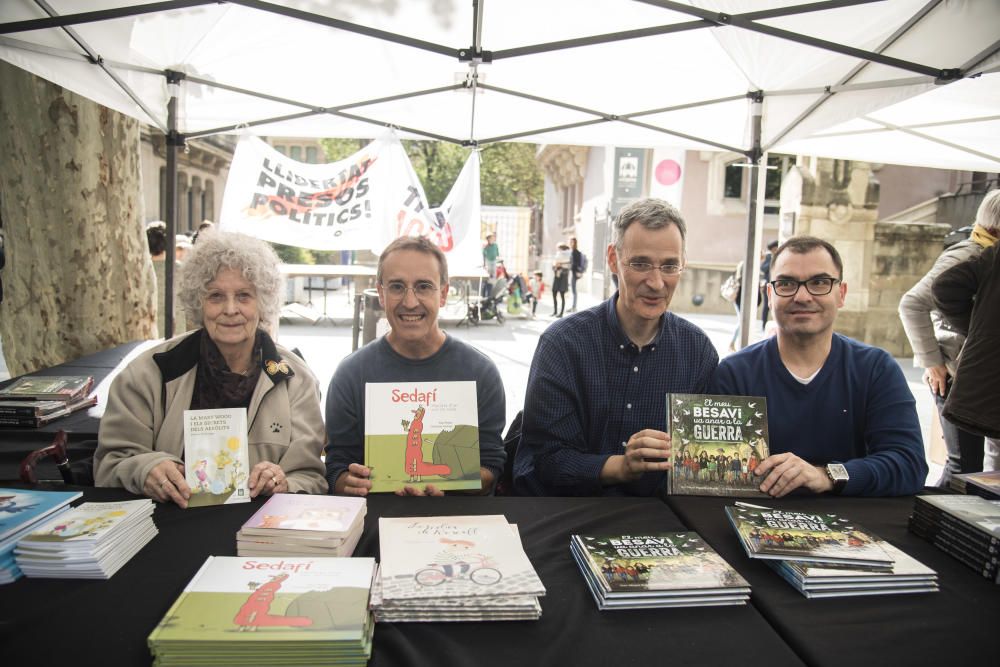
x: 216, y: 386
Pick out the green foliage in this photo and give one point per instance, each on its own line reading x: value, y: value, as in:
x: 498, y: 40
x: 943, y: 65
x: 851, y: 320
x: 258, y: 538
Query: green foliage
x: 293, y: 254
x: 510, y: 176
x: 338, y: 149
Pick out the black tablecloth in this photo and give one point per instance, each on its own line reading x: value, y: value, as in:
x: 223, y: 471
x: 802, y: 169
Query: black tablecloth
x: 107, y: 622
x: 958, y: 625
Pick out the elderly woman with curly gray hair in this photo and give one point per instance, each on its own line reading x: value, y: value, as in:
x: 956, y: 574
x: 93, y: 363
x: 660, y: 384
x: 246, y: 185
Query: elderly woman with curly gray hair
x: 230, y: 284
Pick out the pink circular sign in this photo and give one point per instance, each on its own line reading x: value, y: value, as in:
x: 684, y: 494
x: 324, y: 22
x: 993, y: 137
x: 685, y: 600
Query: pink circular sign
x: 668, y: 172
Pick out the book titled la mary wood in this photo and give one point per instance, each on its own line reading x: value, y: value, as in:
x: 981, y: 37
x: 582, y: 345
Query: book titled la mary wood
x: 422, y: 433
x: 717, y: 443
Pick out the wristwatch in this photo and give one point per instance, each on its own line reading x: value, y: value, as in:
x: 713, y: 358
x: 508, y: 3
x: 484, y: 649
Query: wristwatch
x: 838, y: 475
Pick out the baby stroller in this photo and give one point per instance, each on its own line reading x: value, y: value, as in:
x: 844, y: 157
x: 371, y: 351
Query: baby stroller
x: 489, y: 307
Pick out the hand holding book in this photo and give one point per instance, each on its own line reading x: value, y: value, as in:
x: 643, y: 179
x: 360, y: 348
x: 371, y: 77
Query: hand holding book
x: 166, y: 483
x: 646, y: 451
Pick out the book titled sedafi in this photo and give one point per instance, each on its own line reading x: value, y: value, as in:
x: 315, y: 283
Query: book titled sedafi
x: 717, y: 443
x: 256, y: 611
x: 420, y: 433
x: 216, y: 456
x: 805, y: 536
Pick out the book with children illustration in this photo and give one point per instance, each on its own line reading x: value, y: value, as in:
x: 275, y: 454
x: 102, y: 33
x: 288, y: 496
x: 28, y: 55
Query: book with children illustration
x: 301, y: 515
x: 92, y: 541
x: 805, y: 536
x: 419, y: 433
x: 262, y: 610
x: 216, y: 456
x: 641, y: 565
x: 717, y: 443
x: 453, y: 556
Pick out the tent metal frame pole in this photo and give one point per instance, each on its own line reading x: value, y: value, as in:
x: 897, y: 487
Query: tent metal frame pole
x: 96, y: 59
x: 749, y: 280
x: 174, y: 140
x: 741, y: 21
x: 61, y: 21
x: 330, y: 22
x: 886, y: 43
x: 670, y: 28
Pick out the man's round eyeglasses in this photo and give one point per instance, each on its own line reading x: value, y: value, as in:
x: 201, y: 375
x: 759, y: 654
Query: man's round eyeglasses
x: 815, y: 286
x: 646, y: 267
x: 422, y: 290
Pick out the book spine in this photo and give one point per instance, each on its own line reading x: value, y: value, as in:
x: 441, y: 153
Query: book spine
x: 986, y: 570
x: 7, y: 411
x: 32, y: 422
x: 970, y: 540
x: 946, y: 518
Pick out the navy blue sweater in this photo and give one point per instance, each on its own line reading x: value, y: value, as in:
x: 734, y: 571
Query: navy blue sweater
x: 857, y: 411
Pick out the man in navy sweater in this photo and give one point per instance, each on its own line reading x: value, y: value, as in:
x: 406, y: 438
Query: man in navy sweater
x: 840, y: 415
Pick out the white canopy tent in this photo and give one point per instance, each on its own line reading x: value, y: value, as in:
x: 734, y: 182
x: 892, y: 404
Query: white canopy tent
x: 902, y: 81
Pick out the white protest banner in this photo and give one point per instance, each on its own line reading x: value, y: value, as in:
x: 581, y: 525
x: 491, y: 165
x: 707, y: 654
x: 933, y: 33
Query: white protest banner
x: 360, y: 203
x: 454, y: 227
x: 332, y: 206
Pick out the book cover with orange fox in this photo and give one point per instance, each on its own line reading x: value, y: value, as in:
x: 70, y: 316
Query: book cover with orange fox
x: 420, y: 433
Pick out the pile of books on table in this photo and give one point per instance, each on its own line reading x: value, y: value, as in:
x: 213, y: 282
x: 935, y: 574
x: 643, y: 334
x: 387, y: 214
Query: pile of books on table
x: 21, y: 511
x: 825, y: 555
x: 966, y: 527
x: 273, y: 611
x: 661, y: 570
x: 92, y: 541
x: 985, y: 484
x: 35, y: 400
x: 454, y: 568
x: 290, y: 524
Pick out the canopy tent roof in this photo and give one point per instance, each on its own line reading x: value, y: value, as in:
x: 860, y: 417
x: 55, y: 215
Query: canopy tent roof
x: 903, y: 81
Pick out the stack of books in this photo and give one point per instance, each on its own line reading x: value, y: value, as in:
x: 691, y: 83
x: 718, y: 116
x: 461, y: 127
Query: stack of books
x: 662, y: 570
x: 35, y: 400
x: 457, y: 568
x: 273, y: 611
x: 985, y: 484
x: 92, y: 541
x: 825, y: 555
x: 291, y: 524
x: 21, y: 511
x: 967, y: 527
x: 905, y: 575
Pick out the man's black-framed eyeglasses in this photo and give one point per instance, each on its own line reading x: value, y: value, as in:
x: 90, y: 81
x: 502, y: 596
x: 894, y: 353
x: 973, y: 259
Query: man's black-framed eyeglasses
x: 815, y: 286
x: 646, y: 267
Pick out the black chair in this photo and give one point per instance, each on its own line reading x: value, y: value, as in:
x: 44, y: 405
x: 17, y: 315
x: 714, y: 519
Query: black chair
x: 505, y: 485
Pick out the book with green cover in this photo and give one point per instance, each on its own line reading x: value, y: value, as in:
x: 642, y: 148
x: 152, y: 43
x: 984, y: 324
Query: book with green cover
x: 262, y: 610
x: 420, y: 433
x: 819, y: 537
x: 717, y: 443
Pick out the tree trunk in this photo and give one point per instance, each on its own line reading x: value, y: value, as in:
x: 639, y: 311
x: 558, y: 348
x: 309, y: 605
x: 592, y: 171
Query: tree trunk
x: 78, y: 277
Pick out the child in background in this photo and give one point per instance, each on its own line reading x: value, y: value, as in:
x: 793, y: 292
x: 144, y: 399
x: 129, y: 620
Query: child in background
x: 536, y: 287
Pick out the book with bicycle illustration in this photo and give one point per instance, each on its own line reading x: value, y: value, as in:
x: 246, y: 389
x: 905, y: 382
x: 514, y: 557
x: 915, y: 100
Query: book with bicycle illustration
x: 656, y: 570
x: 217, y: 456
x: 420, y: 433
x: 453, y: 557
x: 717, y: 443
